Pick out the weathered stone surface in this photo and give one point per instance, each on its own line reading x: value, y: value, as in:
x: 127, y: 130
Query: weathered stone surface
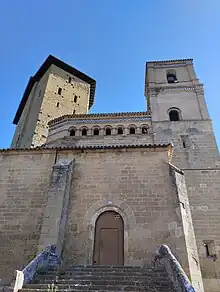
x: 104, y: 278
x: 44, y: 104
x: 55, y: 215
x: 179, y: 208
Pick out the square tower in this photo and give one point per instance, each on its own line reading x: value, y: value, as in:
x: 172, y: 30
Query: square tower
x: 179, y: 113
x: 173, y: 91
x: 176, y: 101
x: 55, y: 90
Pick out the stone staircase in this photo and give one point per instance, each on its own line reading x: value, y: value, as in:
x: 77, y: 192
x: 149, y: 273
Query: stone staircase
x: 102, y: 278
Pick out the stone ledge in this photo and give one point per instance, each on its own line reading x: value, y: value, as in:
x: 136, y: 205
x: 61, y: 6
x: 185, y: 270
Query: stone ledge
x: 165, y: 146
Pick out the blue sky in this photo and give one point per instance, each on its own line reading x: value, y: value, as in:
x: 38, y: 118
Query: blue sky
x: 110, y: 40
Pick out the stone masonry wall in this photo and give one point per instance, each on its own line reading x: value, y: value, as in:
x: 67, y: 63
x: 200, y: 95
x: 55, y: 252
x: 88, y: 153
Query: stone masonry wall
x: 141, y: 139
x: 62, y: 129
x: 137, y: 184
x: 55, y: 105
x: 200, y: 162
x: 200, y: 149
x: 59, y: 134
x: 185, y: 213
x: 203, y: 189
x: 19, y: 140
x: 134, y: 182
x: 44, y: 103
x: 24, y: 180
x: 29, y: 118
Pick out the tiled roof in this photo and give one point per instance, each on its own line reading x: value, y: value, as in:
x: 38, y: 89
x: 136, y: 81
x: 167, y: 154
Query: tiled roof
x: 51, y: 60
x: 98, y: 115
x: 89, y: 147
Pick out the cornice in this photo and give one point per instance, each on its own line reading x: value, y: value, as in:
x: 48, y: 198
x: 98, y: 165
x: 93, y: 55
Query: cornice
x: 99, y: 117
x: 156, y: 90
x: 42, y: 148
x: 165, y: 63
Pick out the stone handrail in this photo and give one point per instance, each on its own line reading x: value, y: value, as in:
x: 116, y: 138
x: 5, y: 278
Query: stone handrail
x: 173, y: 268
x: 47, y: 259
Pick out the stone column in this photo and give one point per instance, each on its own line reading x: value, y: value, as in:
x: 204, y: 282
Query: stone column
x: 55, y: 216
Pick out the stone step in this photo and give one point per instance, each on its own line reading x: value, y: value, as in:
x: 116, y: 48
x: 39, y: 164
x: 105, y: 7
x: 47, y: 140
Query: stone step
x: 119, y: 287
x: 109, y: 289
x: 99, y: 276
x: 124, y: 268
x: 69, y: 274
x: 127, y: 281
x: 148, y: 266
x: 105, y: 270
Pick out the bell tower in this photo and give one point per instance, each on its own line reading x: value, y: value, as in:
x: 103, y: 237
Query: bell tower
x: 176, y: 101
x: 174, y: 92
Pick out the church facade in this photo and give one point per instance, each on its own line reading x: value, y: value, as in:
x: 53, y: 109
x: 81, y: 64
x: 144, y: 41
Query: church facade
x: 109, y: 189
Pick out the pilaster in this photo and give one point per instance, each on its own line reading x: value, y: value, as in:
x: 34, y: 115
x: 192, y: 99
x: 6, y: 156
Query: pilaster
x: 55, y: 215
x: 188, y: 229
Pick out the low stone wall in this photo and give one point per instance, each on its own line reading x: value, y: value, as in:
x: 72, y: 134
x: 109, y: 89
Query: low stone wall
x: 176, y: 273
x: 45, y: 260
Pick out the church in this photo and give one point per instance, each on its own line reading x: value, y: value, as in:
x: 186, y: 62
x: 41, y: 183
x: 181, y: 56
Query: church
x: 108, y: 189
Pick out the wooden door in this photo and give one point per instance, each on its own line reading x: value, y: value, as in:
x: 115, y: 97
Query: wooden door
x: 109, y: 239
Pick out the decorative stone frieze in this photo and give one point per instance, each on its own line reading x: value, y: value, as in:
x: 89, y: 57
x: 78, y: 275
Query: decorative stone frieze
x: 104, y: 116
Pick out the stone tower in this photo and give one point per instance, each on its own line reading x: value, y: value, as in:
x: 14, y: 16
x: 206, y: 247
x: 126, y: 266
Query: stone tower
x: 179, y: 113
x: 56, y: 89
x: 110, y: 188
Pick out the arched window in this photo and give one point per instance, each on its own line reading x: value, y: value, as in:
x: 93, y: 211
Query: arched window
x: 84, y: 132
x: 96, y: 132
x: 144, y: 130
x: 174, y: 115
x: 171, y: 76
x: 132, y: 130
x: 108, y: 131
x: 120, y: 131
x: 72, y: 132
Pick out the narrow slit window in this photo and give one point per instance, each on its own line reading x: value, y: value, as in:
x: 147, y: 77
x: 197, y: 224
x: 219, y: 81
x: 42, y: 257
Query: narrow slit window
x: 75, y: 98
x: 120, y: 131
x: 58, y: 104
x: 207, y: 249
x: 185, y: 141
x: 74, y: 111
x: 108, y: 132
x: 59, y: 90
x: 70, y: 79
x: 132, y: 130
x: 96, y: 132
x: 18, y: 140
x: 210, y: 249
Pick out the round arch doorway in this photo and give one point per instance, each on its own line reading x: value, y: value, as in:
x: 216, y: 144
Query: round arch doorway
x: 109, y: 239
